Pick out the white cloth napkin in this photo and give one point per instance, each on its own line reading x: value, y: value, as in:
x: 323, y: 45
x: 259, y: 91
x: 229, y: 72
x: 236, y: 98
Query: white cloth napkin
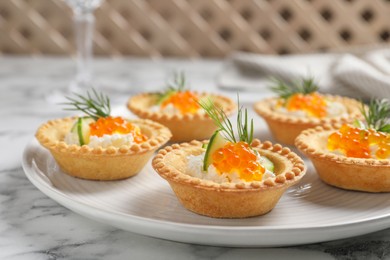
x: 359, y: 76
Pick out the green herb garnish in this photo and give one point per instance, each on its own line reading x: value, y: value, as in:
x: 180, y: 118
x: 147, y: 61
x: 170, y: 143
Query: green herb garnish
x: 286, y: 90
x: 178, y: 84
x: 95, y: 105
x: 377, y: 115
x: 244, y: 129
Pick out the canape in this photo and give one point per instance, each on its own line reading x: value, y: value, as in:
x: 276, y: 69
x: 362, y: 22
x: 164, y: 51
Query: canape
x: 179, y: 110
x: 98, y: 146
x: 228, y: 176
x: 300, y: 106
x: 352, y: 156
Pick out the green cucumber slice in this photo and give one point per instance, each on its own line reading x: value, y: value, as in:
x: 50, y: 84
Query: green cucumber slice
x: 216, y: 141
x: 267, y: 163
x: 81, y: 128
x: 204, y: 146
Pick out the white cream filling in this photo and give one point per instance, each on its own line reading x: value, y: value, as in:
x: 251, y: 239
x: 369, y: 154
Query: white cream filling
x: 105, y: 141
x: 195, y: 165
x: 333, y: 109
x: 373, y: 149
x: 171, y: 109
x: 72, y: 138
x: 116, y: 140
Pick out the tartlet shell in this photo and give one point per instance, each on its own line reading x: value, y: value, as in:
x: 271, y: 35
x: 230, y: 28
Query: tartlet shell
x: 285, y: 128
x: 110, y: 163
x: 185, y: 127
x: 228, y: 200
x: 358, y: 174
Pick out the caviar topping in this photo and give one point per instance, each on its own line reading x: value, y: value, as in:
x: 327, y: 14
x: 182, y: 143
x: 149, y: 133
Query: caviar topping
x: 185, y: 101
x: 97, y: 107
x: 365, y: 141
x: 234, y: 155
x: 302, y: 96
x: 116, y: 125
x: 313, y: 104
x: 238, y: 158
x: 360, y: 143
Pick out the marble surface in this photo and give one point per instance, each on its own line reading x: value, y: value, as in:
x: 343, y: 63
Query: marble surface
x: 33, y: 226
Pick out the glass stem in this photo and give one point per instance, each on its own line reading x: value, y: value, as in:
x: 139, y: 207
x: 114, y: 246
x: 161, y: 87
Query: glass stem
x: 84, y: 26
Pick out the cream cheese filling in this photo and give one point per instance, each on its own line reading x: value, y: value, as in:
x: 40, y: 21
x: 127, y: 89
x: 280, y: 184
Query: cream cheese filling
x: 333, y: 109
x: 195, y: 165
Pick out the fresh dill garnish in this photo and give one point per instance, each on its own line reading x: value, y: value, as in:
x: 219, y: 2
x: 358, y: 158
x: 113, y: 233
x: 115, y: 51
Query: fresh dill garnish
x: 244, y: 129
x: 178, y: 83
x: 377, y: 115
x: 286, y: 90
x: 94, y: 104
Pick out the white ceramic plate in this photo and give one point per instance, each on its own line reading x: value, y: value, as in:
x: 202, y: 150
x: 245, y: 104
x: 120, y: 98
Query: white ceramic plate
x: 309, y: 213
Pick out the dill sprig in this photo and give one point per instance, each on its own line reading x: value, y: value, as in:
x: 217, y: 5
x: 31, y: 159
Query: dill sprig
x: 377, y: 115
x: 219, y: 117
x: 244, y: 129
x: 176, y: 85
x: 179, y: 82
x: 285, y: 90
x: 94, y: 104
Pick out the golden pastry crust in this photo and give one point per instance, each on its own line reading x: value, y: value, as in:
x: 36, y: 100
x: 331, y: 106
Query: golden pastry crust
x: 228, y: 200
x: 185, y: 127
x: 285, y: 128
x: 99, y: 163
x: 359, y: 174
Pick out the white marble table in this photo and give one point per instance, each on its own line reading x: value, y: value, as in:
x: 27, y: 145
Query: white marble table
x: 33, y: 226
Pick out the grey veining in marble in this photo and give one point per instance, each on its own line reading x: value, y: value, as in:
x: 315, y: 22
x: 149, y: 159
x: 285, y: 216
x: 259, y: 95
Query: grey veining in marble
x: 32, y: 226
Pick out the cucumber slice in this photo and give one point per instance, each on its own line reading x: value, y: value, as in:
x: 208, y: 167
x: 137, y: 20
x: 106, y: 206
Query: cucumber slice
x: 216, y: 141
x: 204, y: 146
x: 267, y: 163
x: 81, y: 128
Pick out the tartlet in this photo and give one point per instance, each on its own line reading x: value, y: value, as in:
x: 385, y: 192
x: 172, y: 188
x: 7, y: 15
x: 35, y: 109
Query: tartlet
x: 348, y: 173
x: 187, y: 121
x: 98, y: 146
x: 353, y: 156
x: 112, y: 163
x: 232, y: 175
x: 285, y: 127
x: 184, y: 127
x: 228, y: 200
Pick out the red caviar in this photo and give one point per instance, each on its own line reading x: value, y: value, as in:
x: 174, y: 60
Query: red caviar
x: 239, y: 158
x: 356, y: 142
x: 185, y: 101
x: 116, y: 125
x: 314, y: 104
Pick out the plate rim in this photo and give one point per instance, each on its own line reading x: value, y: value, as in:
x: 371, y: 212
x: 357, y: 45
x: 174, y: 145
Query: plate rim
x: 53, y: 193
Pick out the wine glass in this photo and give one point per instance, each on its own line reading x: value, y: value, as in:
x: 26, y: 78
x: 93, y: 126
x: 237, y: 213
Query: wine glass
x: 84, y: 21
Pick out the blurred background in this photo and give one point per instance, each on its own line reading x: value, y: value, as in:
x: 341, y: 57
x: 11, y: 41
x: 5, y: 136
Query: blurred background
x: 196, y: 28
